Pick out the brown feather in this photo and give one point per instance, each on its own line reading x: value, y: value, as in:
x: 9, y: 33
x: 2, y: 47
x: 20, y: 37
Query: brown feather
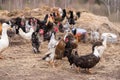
x: 60, y: 48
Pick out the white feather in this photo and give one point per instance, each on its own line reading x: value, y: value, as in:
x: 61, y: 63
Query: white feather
x: 51, y: 55
x: 66, y: 35
x: 4, y: 42
x: 102, y: 48
x: 60, y: 11
x: 95, y: 36
x: 96, y: 53
x: 53, y: 42
x: 27, y: 26
x: 66, y: 26
x: 111, y: 37
x: 24, y: 35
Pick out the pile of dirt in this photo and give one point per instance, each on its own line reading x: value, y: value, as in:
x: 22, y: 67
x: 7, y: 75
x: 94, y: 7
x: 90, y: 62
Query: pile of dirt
x: 90, y: 21
x: 3, y: 12
x: 87, y: 20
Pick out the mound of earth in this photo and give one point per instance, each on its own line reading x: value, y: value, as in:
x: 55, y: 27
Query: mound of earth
x: 20, y: 63
x: 90, y: 21
x: 87, y: 20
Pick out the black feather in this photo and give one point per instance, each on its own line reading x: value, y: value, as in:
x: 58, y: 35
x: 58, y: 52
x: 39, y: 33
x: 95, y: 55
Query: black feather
x: 98, y: 43
x: 45, y: 56
x: 64, y: 13
x: 71, y: 19
x: 61, y: 29
x: 78, y: 14
x: 35, y: 42
x: 86, y: 62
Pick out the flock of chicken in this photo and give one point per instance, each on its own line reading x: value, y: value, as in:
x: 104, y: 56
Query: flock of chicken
x: 36, y: 31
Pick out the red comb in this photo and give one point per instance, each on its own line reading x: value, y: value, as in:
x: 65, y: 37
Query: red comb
x: 56, y: 29
x: 41, y: 31
x: 66, y: 40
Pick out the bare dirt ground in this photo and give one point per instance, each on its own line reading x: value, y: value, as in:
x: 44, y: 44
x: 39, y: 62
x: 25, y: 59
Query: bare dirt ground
x: 20, y: 63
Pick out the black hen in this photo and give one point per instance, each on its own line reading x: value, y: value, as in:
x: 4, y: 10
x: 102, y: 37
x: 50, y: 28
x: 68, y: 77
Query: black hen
x: 20, y: 23
x: 35, y: 42
x: 78, y: 14
x: 47, y: 36
x: 71, y: 19
x: 61, y: 28
x: 68, y: 51
x: 64, y: 14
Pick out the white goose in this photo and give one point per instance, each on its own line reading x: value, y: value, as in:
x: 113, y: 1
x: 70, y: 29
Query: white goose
x: 102, y: 45
x: 111, y: 37
x: 4, y: 41
x: 102, y: 48
x: 24, y: 35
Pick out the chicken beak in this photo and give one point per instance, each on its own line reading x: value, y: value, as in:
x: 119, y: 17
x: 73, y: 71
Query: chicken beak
x: 10, y: 28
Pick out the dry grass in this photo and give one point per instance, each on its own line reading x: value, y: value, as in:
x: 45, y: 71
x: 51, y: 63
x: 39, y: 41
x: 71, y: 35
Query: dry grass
x: 20, y: 63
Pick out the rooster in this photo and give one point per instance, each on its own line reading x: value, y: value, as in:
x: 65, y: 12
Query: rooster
x: 50, y: 55
x: 61, y: 15
x: 64, y: 28
x: 53, y: 42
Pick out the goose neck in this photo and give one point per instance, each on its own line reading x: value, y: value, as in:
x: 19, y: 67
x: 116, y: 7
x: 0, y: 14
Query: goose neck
x: 96, y: 53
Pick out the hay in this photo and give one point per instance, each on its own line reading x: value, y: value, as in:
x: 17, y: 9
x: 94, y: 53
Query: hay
x: 87, y: 20
x: 90, y: 21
